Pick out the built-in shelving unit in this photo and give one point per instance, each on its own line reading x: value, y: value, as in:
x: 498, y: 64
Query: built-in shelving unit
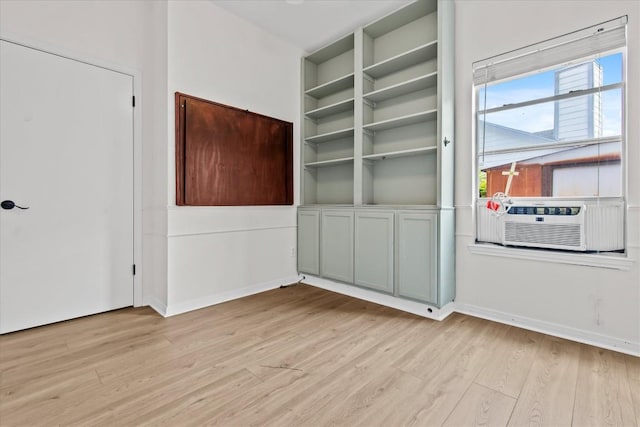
x: 373, y: 117
x: 328, y: 103
x: 400, y: 77
x: 376, y: 173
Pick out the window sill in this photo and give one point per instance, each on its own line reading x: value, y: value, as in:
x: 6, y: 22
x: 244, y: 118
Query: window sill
x: 613, y: 261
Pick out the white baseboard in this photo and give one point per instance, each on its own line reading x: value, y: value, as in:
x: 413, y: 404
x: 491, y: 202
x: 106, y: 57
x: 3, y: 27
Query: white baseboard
x: 414, y: 307
x: 195, y: 304
x: 553, y: 329
x: 159, y: 307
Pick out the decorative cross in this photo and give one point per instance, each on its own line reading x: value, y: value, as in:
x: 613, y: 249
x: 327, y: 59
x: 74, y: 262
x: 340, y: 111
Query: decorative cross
x: 512, y: 172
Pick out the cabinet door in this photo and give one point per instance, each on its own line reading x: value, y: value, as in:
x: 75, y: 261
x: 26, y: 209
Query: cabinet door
x: 337, y: 245
x: 417, y: 252
x: 309, y: 241
x: 374, y: 250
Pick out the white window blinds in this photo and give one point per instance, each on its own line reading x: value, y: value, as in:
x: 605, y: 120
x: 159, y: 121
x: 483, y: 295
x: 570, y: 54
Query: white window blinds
x: 578, y: 44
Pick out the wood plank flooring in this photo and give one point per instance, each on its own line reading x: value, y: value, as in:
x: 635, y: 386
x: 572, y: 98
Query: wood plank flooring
x: 302, y: 356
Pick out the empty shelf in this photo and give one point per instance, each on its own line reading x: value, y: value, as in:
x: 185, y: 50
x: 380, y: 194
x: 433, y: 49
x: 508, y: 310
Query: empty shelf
x: 401, y: 153
x: 331, y: 87
x: 330, y: 136
x: 413, y: 85
x: 404, y: 60
x: 338, y: 107
x: 326, y: 163
x: 402, y: 121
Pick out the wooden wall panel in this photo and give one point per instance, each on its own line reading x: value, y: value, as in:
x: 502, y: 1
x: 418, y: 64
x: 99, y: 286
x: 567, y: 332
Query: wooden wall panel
x: 226, y: 156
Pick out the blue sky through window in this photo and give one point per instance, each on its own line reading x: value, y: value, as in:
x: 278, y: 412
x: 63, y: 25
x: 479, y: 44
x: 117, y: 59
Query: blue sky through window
x: 540, y: 117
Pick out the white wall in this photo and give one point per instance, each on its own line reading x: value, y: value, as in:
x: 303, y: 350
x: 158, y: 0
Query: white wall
x: 155, y: 158
x: 123, y: 34
x: 216, y: 253
x: 586, y: 303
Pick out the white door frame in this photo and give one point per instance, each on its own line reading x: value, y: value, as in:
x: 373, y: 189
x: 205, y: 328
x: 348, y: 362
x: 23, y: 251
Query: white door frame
x: 137, y: 143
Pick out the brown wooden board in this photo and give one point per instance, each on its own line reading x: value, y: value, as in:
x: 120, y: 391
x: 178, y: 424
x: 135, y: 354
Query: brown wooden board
x: 226, y: 156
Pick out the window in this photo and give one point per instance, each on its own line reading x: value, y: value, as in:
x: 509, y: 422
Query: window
x: 550, y: 133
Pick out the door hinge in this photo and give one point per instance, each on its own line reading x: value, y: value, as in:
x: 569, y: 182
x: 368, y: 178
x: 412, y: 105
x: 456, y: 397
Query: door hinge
x: 134, y: 269
x: 133, y: 101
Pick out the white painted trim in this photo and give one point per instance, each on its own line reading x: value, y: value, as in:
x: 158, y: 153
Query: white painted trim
x: 137, y: 140
x: 158, y: 306
x: 414, y: 307
x: 138, y: 296
x: 234, y: 230
x: 68, y: 53
x: 589, y: 260
x: 209, y: 300
x: 553, y: 329
x: 468, y: 235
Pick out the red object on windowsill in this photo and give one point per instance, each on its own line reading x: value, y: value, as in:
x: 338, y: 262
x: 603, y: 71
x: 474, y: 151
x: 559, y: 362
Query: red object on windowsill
x: 493, y: 205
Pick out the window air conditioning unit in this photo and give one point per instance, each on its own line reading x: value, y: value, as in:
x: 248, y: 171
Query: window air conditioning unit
x: 554, y: 227
x: 576, y: 225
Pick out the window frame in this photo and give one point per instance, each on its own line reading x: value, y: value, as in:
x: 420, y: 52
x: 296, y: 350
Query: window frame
x: 578, y: 143
x: 616, y: 260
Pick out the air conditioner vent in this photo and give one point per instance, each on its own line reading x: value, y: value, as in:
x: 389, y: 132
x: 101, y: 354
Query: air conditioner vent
x: 557, y: 227
x: 543, y: 234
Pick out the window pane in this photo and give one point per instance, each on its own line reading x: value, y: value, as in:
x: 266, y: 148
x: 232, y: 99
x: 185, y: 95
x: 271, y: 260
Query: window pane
x: 611, y: 109
x: 519, y: 90
x: 585, y: 75
x: 611, y: 68
x: 586, y: 179
x: 570, y: 171
x: 541, y: 125
x: 561, y: 148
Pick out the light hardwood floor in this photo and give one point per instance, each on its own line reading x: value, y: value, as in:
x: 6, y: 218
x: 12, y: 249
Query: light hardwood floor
x: 302, y: 356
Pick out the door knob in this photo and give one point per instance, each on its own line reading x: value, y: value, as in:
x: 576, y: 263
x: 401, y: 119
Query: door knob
x: 8, y: 204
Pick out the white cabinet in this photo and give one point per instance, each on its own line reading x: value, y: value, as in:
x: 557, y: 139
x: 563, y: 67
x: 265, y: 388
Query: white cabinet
x: 417, y: 256
x: 336, y: 242
x: 374, y: 249
x: 309, y: 241
x: 397, y: 252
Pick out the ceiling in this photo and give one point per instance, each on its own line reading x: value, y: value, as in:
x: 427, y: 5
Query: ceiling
x: 310, y: 24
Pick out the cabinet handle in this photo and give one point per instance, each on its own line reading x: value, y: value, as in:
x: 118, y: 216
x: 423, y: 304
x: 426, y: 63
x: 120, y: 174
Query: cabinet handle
x: 446, y: 141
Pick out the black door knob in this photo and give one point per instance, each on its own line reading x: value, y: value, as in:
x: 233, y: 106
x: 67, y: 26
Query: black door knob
x: 8, y: 204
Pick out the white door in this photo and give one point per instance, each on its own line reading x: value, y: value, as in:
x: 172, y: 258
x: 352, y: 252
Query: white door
x: 66, y: 153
